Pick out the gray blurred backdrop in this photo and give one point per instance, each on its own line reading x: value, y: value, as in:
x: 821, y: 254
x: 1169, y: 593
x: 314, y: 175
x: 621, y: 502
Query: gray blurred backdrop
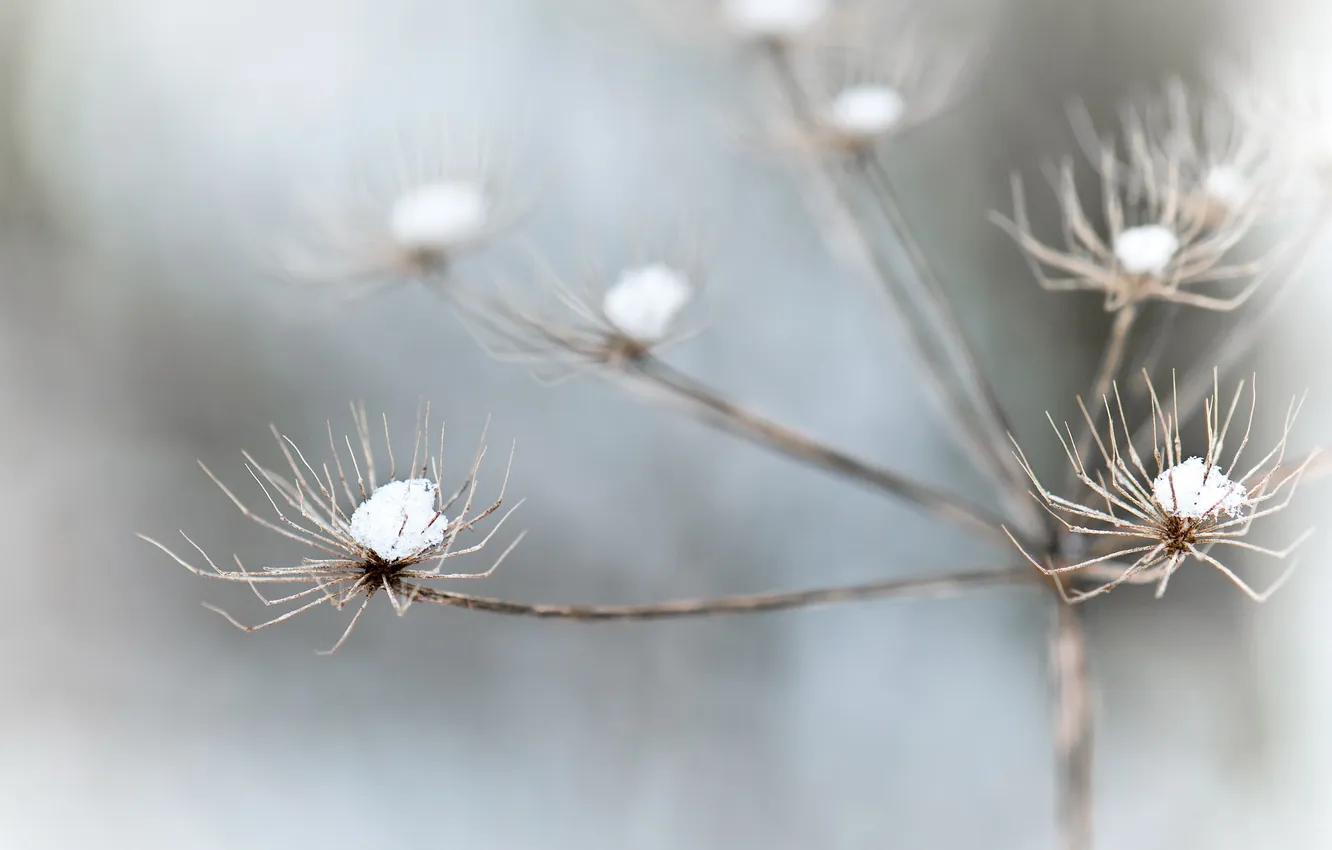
x: 151, y: 152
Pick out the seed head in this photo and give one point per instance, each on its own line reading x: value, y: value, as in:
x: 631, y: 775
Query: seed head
x: 866, y: 110
x: 890, y: 77
x: 1151, y: 523
x: 1155, y: 247
x: 392, y: 530
x: 399, y: 520
x: 608, y: 321
x: 773, y: 19
x: 437, y: 218
x: 408, y: 216
x: 1196, y: 489
x: 1147, y: 249
x: 644, y: 301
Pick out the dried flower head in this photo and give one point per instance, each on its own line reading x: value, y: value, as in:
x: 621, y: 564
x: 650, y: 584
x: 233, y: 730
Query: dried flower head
x: 781, y: 23
x: 773, y: 19
x: 440, y: 198
x: 889, y: 79
x: 1158, y: 247
x: 393, y: 529
x: 609, y: 320
x: 1224, y: 166
x: 1285, y: 99
x: 1154, y: 521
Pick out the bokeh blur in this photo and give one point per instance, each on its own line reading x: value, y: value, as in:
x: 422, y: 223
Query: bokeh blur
x: 155, y: 158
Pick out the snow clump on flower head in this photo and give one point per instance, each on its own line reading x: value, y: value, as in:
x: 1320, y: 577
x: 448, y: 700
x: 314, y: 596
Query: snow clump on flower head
x: 399, y: 520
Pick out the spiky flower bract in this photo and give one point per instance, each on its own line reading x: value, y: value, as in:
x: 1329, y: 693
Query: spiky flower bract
x: 606, y: 320
x: 382, y: 538
x: 1175, y: 211
x: 1155, y: 521
x: 889, y: 78
x: 408, y: 214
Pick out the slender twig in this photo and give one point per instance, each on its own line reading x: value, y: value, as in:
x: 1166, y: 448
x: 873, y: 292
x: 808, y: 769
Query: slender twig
x: 996, y: 424
x: 1073, y: 728
x: 1112, y: 360
x: 731, y: 417
x: 964, y: 390
x: 739, y: 604
x: 1311, y: 467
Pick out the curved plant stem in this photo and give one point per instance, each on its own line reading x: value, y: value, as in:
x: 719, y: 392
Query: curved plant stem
x: 927, y: 317
x: 738, y: 604
x: 731, y: 417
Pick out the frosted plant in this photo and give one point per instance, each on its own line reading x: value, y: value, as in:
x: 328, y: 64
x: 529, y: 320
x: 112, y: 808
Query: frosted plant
x: 417, y: 211
x: 432, y: 220
x: 1177, y: 201
x: 645, y: 301
x: 605, y: 321
x: 773, y: 19
x: 756, y: 23
x: 1222, y: 163
x: 1282, y: 97
x: 1146, y: 249
x: 1155, y: 521
x: 888, y: 78
x: 1155, y: 250
x: 866, y: 110
x: 396, y: 529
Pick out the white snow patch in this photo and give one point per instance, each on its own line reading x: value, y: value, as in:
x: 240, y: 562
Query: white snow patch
x: 866, y: 110
x: 1193, y: 490
x: 645, y: 300
x: 399, y: 519
x: 1227, y: 185
x: 774, y: 18
x: 1147, y: 249
x: 439, y: 216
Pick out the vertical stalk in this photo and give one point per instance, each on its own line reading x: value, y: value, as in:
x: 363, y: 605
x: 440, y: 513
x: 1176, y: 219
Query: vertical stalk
x: 1112, y: 359
x: 1072, y: 728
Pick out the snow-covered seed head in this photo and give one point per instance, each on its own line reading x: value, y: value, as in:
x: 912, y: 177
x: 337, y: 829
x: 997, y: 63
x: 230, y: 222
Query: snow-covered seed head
x: 866, y: 110
x: 644, y: 301
x: 1228, y: 186
x: 399, y: 520
x: 436, y: 217
x: 774, y: 19
x: 392, y: 544
x: 1133, y: 526
x: 1195, y: 489
x: 1147, y: 249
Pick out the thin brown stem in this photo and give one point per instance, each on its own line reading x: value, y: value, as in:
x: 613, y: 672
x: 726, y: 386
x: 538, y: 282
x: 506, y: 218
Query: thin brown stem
x: 1112, y: 360
x: 739, y: 604
x: 934, y: 334
x: 1073, y: 728
x: 996, y: 425
x: 737, y: 420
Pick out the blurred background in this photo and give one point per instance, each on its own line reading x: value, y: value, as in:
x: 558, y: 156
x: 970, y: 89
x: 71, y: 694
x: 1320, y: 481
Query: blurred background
x: 153, y: 156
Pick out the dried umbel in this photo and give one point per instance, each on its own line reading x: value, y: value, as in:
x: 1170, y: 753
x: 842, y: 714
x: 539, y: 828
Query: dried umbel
x: 884, y: 82
x: 1154, y: 520
x: 766, y: 23
x: 609, y: 320
x: 1160, y: 244
x: 410, y: 216
x: 1284, y: 97
x: 388, y: 536
x: 1224, y: 165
